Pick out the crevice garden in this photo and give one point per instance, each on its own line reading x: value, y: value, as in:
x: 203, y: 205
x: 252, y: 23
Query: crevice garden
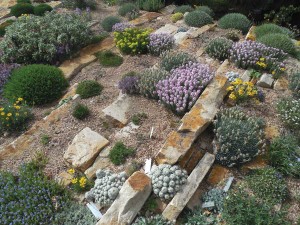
x: 149, y: 112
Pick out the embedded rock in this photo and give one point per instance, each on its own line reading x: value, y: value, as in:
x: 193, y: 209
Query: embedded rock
x: 129, y: 202
x: 281, y: 84
x: 167, y: 29
x: 7, y: 3
x: 195, y: 32
x: 145, y: 18
x: 168, y: 9
x: 64, y: 178
x: 84, y: 149
x: 266, y: 81
x: 180, y: 37
x: 246, y: 76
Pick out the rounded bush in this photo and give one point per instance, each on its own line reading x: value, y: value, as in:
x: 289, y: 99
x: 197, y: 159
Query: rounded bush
x: 40, y: 9
x: 198, y: 19
x: 37, y: 84
x: 80, y: 111
x: 109, y: 59
x: 279, y: 41
x: 219, y: 48
x: 127, y: 8
x: 183, y: 9
x: 236, y: 21
x: 3, y: 27
x: 88, y: 88
x: 206, y: 9
x: 294, y: 85
x: 269, y: 28
x: 24, y: 1
x: 109, y: 22
x: 21, y: 8
x: 176, y: 16
x: 150, y: 5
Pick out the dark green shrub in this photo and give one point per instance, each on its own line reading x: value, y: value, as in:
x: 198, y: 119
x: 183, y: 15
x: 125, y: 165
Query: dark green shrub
x: 37, y: 84
x: 197, y: 19
x: 109, y: 59
x: 89, y: 88
x: 217, y: 5
x: 150, y: 5
x: 80, y: 111
x: 280, y: 41
x: 269, y: 28
x: 21, y: 8
x: 183, y: 9
x: 288, y: 110
x: 283, y: 155
x: 206, y: 9
x: 81, y: 4
x: 3, y: 27
x: 119, y: 153
x: 236, y: 21
x: 41, y: 9
x: 24, y: 1
x: 127, y: 8
x: 171, y: 60
x: 98, y: 38
x: 109, y: 21
x: 219, y: 48
x: 138, y: 118
x: 294, y: 85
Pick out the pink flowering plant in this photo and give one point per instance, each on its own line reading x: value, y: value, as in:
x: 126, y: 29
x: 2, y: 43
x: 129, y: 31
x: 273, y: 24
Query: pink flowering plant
x: 182, y: 88
x: 160, y: 42
x: 120, y: 27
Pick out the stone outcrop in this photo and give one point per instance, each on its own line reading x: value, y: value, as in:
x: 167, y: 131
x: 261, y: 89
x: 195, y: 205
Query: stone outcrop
x: 167, y: 29
x: 266, y: 81
x: 84, y: 148
x: 129, y: 202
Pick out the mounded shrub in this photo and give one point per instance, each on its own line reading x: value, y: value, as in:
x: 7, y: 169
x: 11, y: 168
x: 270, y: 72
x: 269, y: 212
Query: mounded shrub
x: 171, y: 60
x: 176, y: 16
x: 119, y: 153
x: 219, y: 48
x: 183, y: 9
x: 109, y: 22
x: 80, y: 111
x: 41, y: 9
x: 198, y: 19
x: 288, y: 110
x: 294, y: 85
x: 38, y: 84
x: 280, y: 41
x: 269, y: 28
x: 3, y: 26
x: 21, y: 8
x: 206, y: 9
x: 109, y: 59
x: 129, y: 84
x: 81, y: 4
x: 236, y: 21
x: 88, y: 88
x: 159, y: 43
x: 150, y: 5
x: 127, y: 8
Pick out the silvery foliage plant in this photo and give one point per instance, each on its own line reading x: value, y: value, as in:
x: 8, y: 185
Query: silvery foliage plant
x: 160, y: 42
x: 232, y: 76
x: 107, y: 187
x: 167, y: 180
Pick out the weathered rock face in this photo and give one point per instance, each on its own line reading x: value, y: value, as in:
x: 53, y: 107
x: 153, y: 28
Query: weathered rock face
x: 195, y: 32
x: 217, y: 174
x: 64, y: 178
x: 180, y: 200
x: 266, y: 81
x: 196, y: 121
x: 7, y: 3
x: 132, y: 197
x: 84, y: 149
x: 167, y: 29
x: 281, y: 84
x: 147, y: 17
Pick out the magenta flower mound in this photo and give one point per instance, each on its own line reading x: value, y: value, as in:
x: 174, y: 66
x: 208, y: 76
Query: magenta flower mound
x: 160, y: 42
x: 182, y: 88
x: 120, y: 27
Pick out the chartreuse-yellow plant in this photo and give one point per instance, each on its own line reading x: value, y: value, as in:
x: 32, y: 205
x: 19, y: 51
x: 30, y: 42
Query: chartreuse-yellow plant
x: 242, y: 91
x: 132, y: 40
x: 79, y: 182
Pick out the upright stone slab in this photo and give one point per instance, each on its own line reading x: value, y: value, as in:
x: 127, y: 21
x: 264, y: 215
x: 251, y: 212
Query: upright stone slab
x: 129, y: 202
x: 84, y: 148
x: 196, y: 121
x: 180, y: 200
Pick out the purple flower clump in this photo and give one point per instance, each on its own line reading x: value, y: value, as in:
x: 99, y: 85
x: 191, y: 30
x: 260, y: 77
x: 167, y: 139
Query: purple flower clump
x: 247, y: 53
x: 5, y: 72
x: 182, y: 88
x: 129, y: 85
x: 120, y: 27
x: 160, y: 42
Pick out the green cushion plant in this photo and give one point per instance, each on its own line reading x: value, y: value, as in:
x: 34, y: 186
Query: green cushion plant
x: 198, y: 19
x: 109, y: 59
x: 41, y: 9
x: 109, y: 22
x: 21, y: 8
x: 236, y: 21
x: 89, y: 88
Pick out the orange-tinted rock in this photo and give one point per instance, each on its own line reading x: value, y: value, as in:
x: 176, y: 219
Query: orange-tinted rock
x: 64, y: 178
x: 271, y: 132
x: 258, y: 163
x: 251, y: 36
x: 7, y: 3
x: 281, y: 84
x: 217, y: 174
x: 145, y: 18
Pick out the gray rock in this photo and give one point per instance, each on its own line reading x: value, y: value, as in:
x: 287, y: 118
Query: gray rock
x: 246, y: 76
x: 180, y: 37
x: 266, y: 81
x: 167, y: 29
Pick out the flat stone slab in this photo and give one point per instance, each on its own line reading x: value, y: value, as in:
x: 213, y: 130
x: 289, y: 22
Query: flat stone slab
x: 180, y: 37
x: 54, y: 4
x: 129, y: 202
x: 197, y: 120
x: 281, y: 84
x: 7, y: 3
x: 168, y: 9
x: 64, y: 178
x: 84, y: 148
x: 145, y: 18
x: 118, y: 109
x: 180, y: 200
x: 167, y: 29
x: 195, y: 32
x: 4, y: 13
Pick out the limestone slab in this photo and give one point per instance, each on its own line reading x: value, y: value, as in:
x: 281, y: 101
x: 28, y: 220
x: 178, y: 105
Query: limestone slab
x: 281, y: 84
x: 195, y: 32
x: 180, y: 200
x: 4, y: 12
x: 84, y: 148
x: 167, y: 29
x: 180, y: 37
x: 266, y: 81
x: 145, y: 18
x: 7, y: 3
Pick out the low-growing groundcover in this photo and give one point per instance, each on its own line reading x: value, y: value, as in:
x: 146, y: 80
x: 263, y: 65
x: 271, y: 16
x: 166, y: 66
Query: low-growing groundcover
x: 89, y: 88
x: 109, y: 59
x: 119, y: 153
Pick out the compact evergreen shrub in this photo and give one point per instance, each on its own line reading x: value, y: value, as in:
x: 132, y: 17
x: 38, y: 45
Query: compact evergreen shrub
x: 41, y: 9
x: 119, y: 153
x: 219, y: 48
x: 183, y: 9
x: 206, y: 9
x: 171, y: 60
x: 269, y: 28
x: 280, y: 41
x: 109, y: 22
x: 21, y: 8
x: 3, y: 27
x: 24, y: 1
x: 294, y: 85
x: 109, y: 59
x: 38, y: 84
x: 150, y: 5
x: 198, y: 19
x: 176, y: 16
x: 127, y: 8
x: 80, y: 111
x: 236, y: 21
x: 81, y: 4
x: 88, y: 88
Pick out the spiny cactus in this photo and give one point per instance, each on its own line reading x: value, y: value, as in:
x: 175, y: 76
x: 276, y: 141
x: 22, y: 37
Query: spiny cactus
x: 167, y: 180
x: 219, y: 48
x: 239, y: 138
x: 107, y: 187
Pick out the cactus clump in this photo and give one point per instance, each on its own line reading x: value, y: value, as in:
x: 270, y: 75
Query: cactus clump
x: 167, y: 180
x: 107, y: 187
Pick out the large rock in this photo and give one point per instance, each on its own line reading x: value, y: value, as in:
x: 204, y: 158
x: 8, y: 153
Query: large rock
x: 195, y: 32
x: 281, y: 84
x: 7, y: 3
x: 197, y: 120
x: 4, y: 13
x: 129, y: 202
x: 180, y: 200
x: 180, y: 37
x: 167, y: 29
x: 266, y: 81
x: 168, y: 9
x: 84, y: 148
x: 145, y: 18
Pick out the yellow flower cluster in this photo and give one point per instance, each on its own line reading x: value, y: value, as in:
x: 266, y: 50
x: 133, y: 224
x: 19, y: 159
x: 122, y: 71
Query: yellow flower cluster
x: 132, y: 40
x: 241, y: 91
x: 262, y: 63
x: 79, y: 182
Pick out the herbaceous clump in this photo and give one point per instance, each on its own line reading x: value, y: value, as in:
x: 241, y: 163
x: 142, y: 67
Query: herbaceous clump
x: 206, y: 9
x: 167, y: 180
x: 107, y: 187
x: 89, y: 88
x: 176, y: 16
x: 160, y: 42
x: 239, y: 138
x: 184, y: 85
x: 236, y: 21
x: 152, y: 220
x: 148, y: 81
x: 217, y: 196
x: 183, y: 9
x: 127, y: 8
x: 120, y: 27
x: 129, y: 85
x: 288, y: 110
x: 198, y: 19
x: 55, y: 37
x: 233, y: 35
x: 219, y: 48
x: 294, y: 85
x: 151, y: 5
x: 269, y: 28
x: 171, y: 60
x: 109, y: 22
x: 5, y: 72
